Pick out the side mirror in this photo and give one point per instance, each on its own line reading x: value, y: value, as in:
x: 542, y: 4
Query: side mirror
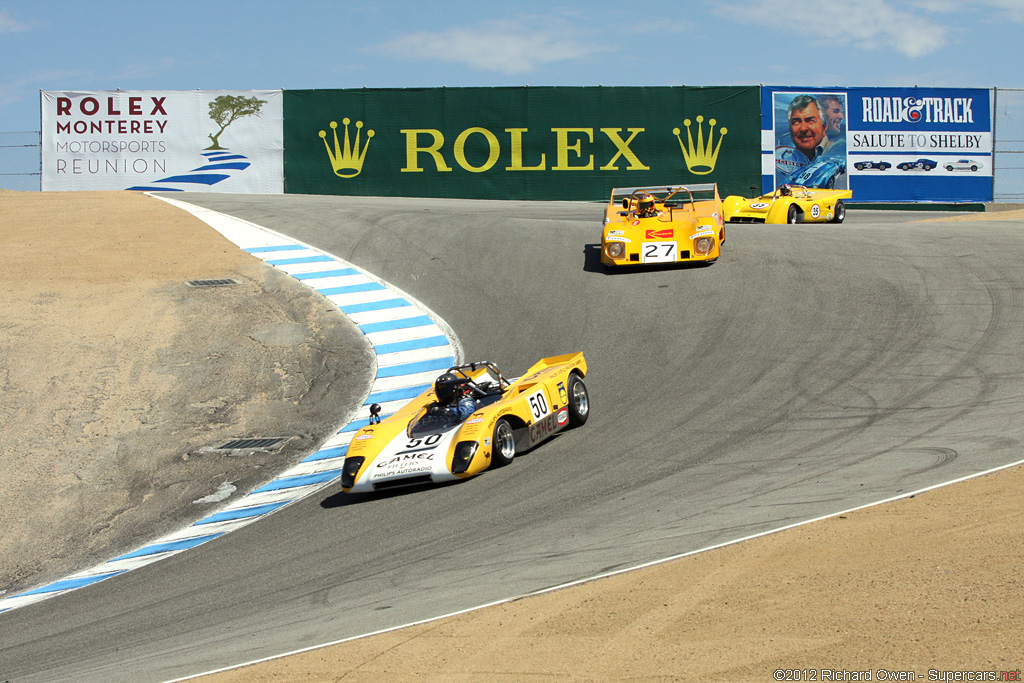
x: 375, y: 414
x: 625, y: 203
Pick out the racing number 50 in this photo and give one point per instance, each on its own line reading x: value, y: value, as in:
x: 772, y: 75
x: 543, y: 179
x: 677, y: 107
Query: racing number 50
x: 539, y: 406
x: 429, y: 441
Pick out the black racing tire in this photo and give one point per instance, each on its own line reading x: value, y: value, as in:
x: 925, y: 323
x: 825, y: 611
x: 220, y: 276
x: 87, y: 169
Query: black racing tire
x: 839, y: 212
x: 949, y: 168
x: 859, y: 167
x: 974, y: 168
x: 928, y: 167
x: 793, y: 215
x: 579, y: 401
x: 503, y: 444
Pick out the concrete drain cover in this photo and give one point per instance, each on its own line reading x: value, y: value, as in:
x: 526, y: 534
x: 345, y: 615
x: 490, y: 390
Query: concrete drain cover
x: 223, y: 282
x: 264, y: 443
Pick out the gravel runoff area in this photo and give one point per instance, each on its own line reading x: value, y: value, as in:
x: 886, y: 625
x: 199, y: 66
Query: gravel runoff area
x: 117, y: 379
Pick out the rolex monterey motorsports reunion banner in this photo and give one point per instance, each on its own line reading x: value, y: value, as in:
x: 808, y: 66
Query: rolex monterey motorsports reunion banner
x: 217, y: 141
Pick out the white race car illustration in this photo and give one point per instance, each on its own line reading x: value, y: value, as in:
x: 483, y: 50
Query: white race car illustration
x: 963, y: 165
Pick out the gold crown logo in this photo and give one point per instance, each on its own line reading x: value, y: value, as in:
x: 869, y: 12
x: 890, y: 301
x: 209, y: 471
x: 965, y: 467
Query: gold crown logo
x: 345, y: 160
x: 700, y: 159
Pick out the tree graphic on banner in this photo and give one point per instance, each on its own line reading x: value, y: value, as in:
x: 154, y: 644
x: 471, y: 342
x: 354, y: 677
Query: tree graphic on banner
x: 227, y: 109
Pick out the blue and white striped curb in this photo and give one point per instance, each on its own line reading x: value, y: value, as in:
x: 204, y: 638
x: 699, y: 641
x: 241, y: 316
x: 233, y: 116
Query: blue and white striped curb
x: 412, y: 346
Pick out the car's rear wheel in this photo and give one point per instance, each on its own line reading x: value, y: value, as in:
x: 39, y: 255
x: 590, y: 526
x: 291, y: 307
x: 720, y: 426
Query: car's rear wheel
x: 503, y: 445
x: 794, y: 214
x: 579, y: 401
x: 974, y: 168
x: 840, y: 212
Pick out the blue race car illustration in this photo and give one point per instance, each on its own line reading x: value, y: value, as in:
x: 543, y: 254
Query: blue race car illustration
x: 822, y: 173
x: 920, y: 164
x: 872, y: 165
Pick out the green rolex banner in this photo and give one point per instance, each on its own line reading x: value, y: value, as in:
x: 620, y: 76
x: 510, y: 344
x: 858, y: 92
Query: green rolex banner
x: 546, y: 143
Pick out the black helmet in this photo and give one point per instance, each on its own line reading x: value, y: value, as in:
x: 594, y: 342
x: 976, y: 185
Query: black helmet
x: 446, y: 387
x: 785, y: 190
x: 645, y: 204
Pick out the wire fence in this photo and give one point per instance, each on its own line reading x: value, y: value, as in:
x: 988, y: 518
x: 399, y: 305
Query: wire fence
x: 21, y: 152
x: 21, y: 160
x: 1008, y: 133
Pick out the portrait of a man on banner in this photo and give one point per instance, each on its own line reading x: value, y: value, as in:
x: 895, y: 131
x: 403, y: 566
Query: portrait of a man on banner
x: 810, y: 139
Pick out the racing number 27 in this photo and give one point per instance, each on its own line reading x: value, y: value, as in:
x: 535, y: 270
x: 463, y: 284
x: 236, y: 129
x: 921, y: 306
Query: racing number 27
x: 651, y: 250
x: 659, y: 252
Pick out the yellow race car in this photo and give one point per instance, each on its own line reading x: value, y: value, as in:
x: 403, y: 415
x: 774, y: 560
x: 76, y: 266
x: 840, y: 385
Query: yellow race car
x: 789, y: 204
x: 471, y: 419
x: 663, y: 224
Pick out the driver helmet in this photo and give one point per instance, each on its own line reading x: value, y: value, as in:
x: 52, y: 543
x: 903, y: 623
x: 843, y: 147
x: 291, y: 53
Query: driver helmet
x: 446, y: 388
x: 785, y: 191
x: 645, y: 205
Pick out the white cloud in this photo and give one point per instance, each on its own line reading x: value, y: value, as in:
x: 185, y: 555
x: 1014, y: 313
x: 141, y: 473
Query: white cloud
x: 9, y: 24
x: 28, y: 86
x: 1005, y: 9
x: 997, y: 10
x: 508, y: 47
x: 864, y: 24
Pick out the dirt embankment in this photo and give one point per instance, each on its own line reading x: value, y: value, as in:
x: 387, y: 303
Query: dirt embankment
x: 117, y: 378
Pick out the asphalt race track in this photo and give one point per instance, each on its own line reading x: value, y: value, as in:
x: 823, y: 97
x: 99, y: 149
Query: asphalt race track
x: 813, y: 369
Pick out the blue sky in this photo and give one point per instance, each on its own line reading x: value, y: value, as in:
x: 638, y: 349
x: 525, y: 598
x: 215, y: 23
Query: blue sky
x: 257, y: 44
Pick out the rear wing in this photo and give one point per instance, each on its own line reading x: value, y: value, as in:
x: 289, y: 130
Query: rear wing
x: 671, y: 193
x: 664, y: 189
x: 553, y: 364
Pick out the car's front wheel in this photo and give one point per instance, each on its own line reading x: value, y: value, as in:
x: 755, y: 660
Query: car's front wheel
x: 794, y: 214
x: 503, y: 445
x: 579, y: 401
x: 840, y: 212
